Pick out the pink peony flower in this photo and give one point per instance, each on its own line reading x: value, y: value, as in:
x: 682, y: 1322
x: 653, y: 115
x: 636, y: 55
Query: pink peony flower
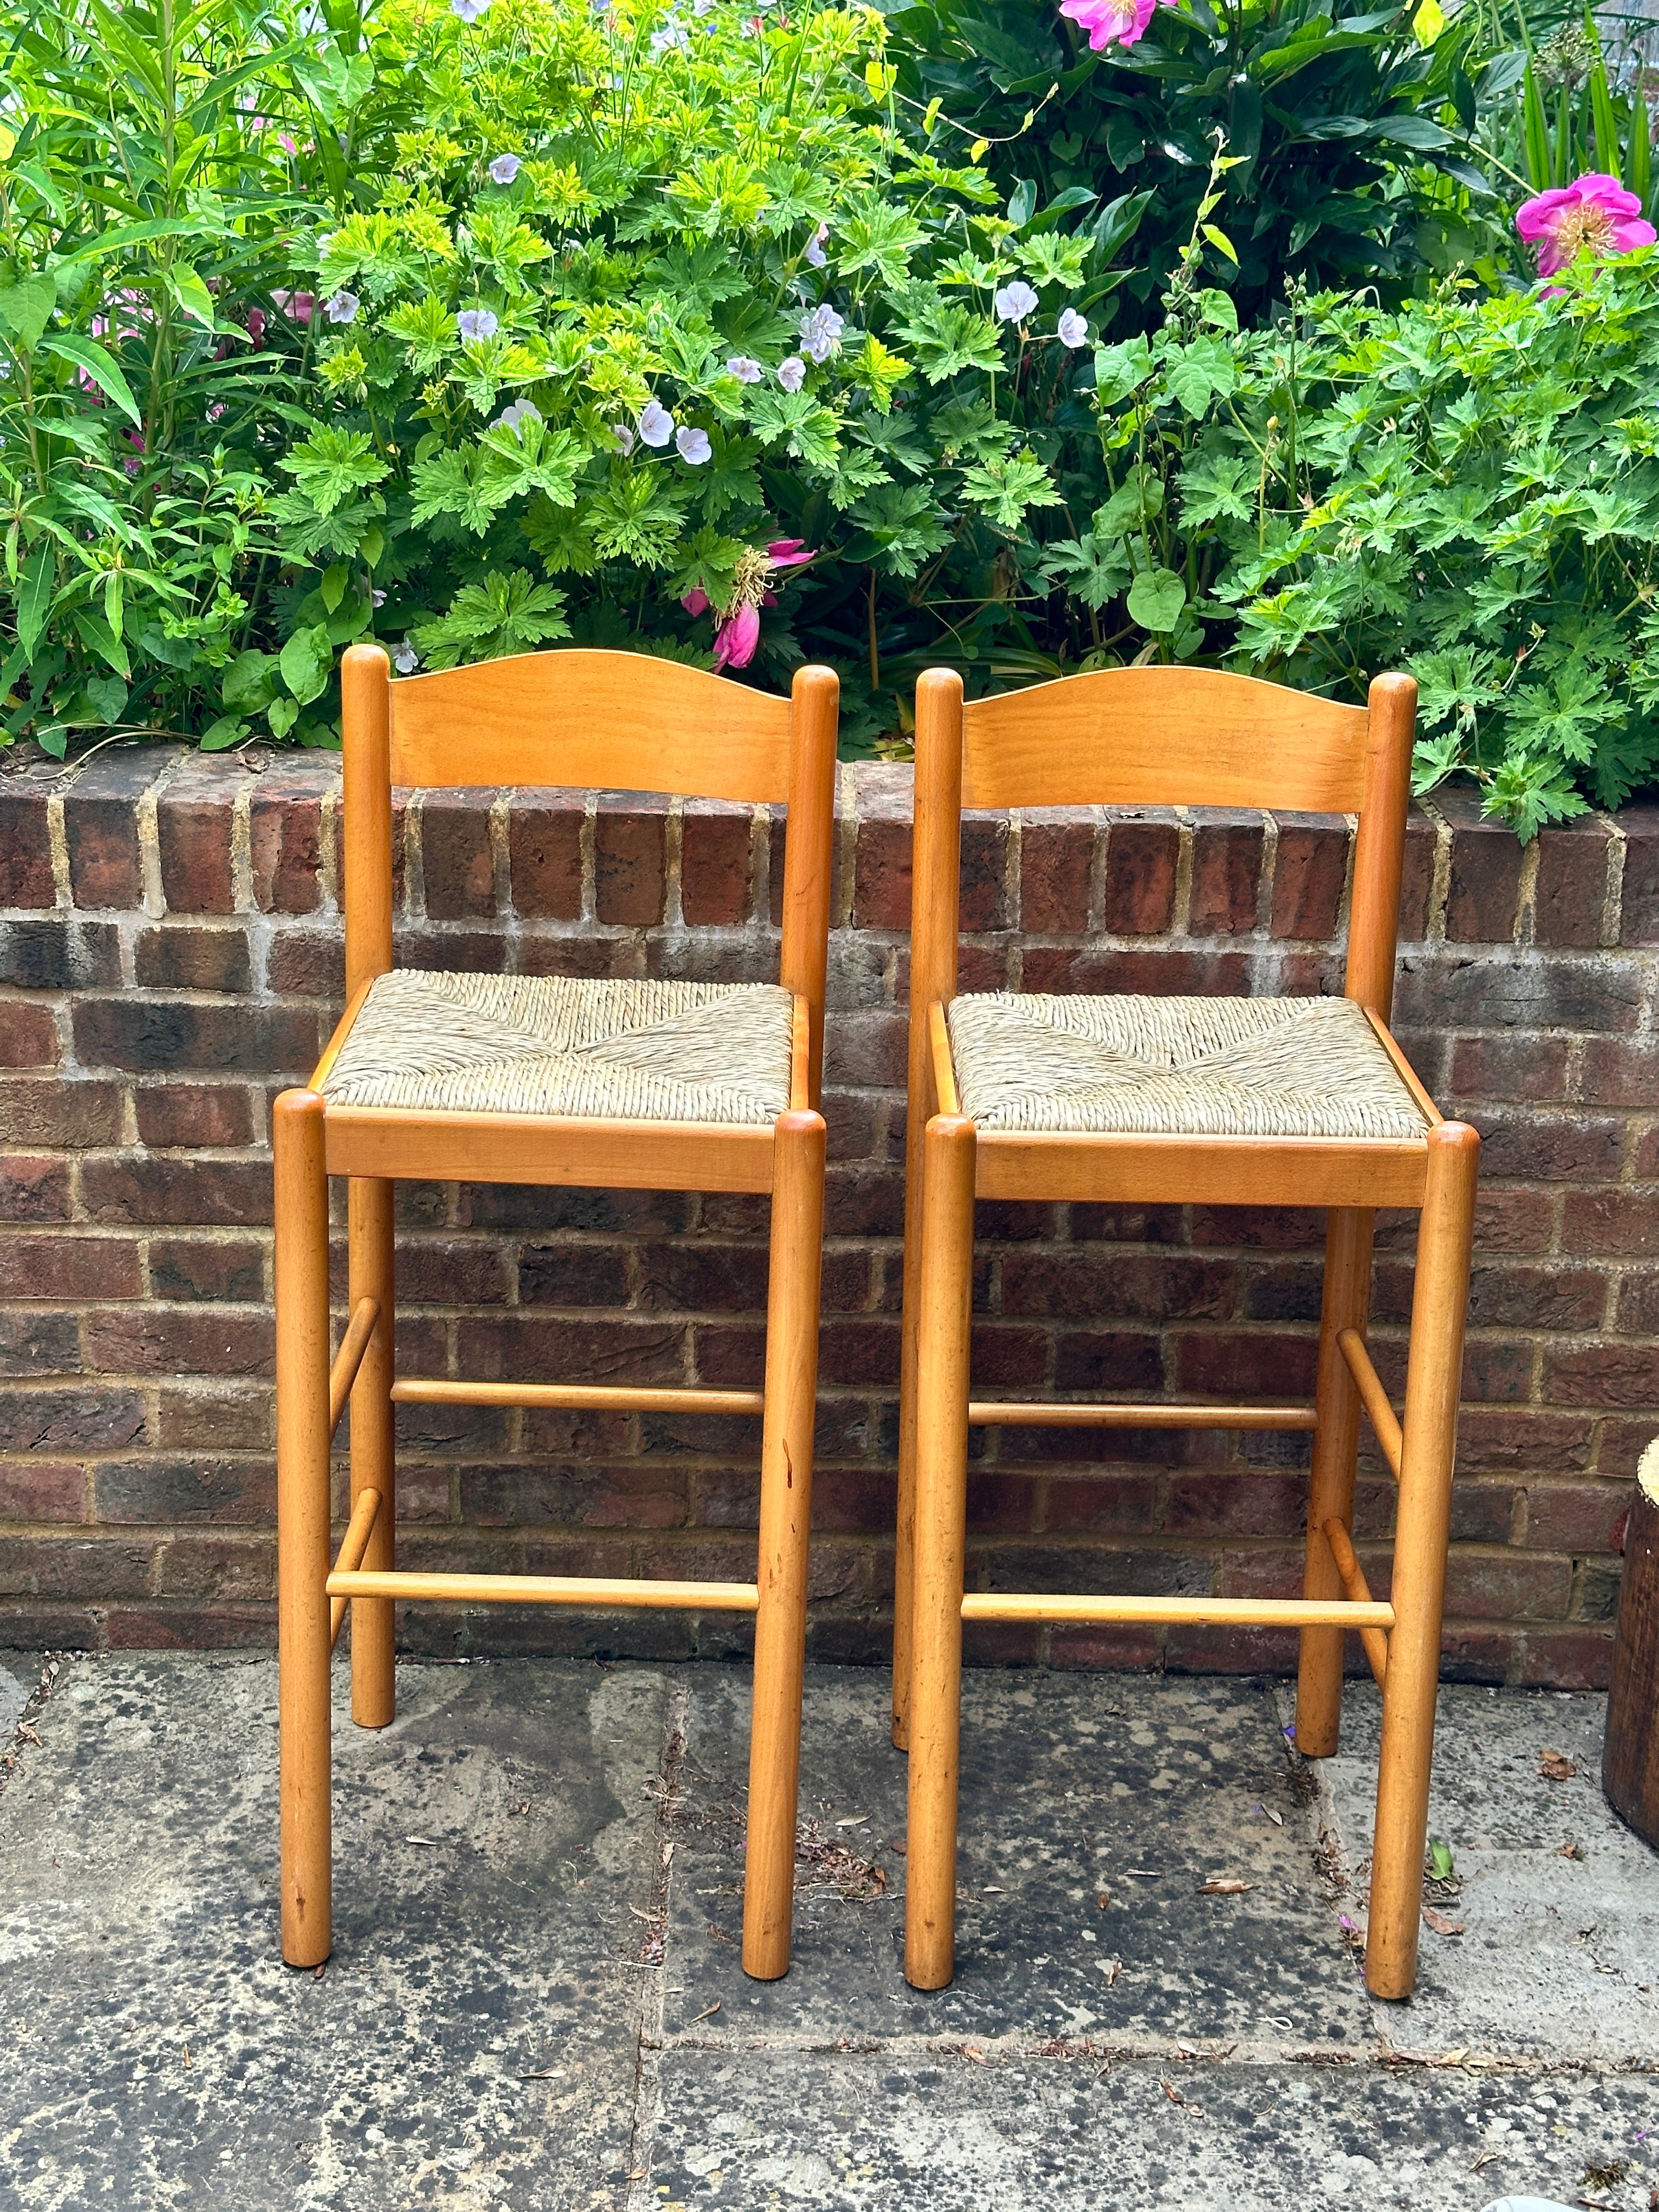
x: 696, y: 601
x: 1593, y: 214
x: 736, y: 639
x: 789, y: 552
x: 1106, y: 20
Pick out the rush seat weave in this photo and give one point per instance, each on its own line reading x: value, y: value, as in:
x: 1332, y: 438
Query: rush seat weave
x: 1221, y: 1067
x: 568, y: 1045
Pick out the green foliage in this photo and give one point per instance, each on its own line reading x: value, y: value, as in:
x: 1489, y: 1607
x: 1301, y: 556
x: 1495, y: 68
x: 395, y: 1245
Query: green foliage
x: 146, y: 185
x: 1468, y: 489
x: 1355, y: 137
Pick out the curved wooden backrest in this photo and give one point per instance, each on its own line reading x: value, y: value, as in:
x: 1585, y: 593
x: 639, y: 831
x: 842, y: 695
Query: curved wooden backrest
x: 1169, y: 737
x: 623, y: 721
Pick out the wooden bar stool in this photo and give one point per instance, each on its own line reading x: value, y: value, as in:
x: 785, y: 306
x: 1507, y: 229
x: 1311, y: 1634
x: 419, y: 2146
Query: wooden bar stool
x: 1212, y: 1102
x: 531, y: 1080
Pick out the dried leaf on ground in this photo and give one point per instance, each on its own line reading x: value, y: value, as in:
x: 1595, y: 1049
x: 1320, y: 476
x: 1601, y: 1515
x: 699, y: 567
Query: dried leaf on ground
x: 1439, y: 1923
x: 1556, y: 1766
x: 1222, y: 1885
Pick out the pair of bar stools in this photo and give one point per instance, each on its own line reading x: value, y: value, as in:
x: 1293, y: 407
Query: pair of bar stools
x: 655, y: 1084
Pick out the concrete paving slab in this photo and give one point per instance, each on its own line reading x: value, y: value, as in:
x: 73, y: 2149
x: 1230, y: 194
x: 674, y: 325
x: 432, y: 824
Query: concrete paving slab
x: 18, y: 1677
x: 1135, y: 1788
x: 927, y: 2129
x: 1560, y: 1951
x: 485, y: 1999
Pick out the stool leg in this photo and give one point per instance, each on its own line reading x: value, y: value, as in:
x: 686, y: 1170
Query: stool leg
x: 373, y: 1459
x: 1347, y: 1301
x: 1439, y: 1299
x: 904, y: 1534
x: 302, y: 1522
x: 942, y: 1370
x: 785, y: 1513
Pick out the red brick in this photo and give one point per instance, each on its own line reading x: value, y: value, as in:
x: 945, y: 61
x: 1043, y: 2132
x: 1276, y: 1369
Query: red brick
x: 194, y: 1114
x: 28, y: 1035
x: 629, y: 837
x: 1056, y: 861
x: 1308, y: 873
x: 865, y: 1352
x: 1575, y: 1516
x: 881, y: 870
x: 306, y: 963
x: 984, y: 902
x: 716, y: 862
x: 1571, y: 891
x: 177, y: 957
x: 1142, y: 852
x: 217, y: 1569
x: 26, y: 879
x: 1003, y: 1358
x: 38, y: 1343
x: 40, y: 1490
x: 159, y: 1491
x: 544, y: 852
x: 456, y: 1273
x: 456, y: 861
x: 1564, y: 1658
x: 1647, y: 1157
x: 1509, y: 1067
x: 224, y: 1269
x: 1209, y: 1651
x: 1549, y: 1147
x: 1513, y: 1221
x: 193, y: 830
x: 64, y: 954
x: 153, y: 1340
x: 162, y: 1035
x: 530, y: 1348
x: 71, y: 1420
x: 1622, y: 1224
x: 1226, y: 867
x: 1118, y: 1649
x: 1505, y: 1586
x: 1520, y: 990
x: 1107, y: 1360
x: 33, y: 1189
x: 1116, y: 1225
x: 1109, y: 1283
x: 1281, y: 1290
x: 1253, y: 1365
x: 703, y: 1278
x: 1512, y: 1297
x: 1603, y: 1375
x: 285, y: 829
x: 1484, y: 901
x: 1261, y: 1228
x: 1638, y: 903
x: 183, y: 1628
x: 100, y: 824
x: 56, y: 1110
x: 1522, y: 1438
x: 1495, y: 1371
x: 583, y: 1496
x: 74, y: 1566
x: 1620, y: 1072
x: 1417, y: 877
x: 69, y: 1267
x: 1156, y: 974
x: 866, y: 1047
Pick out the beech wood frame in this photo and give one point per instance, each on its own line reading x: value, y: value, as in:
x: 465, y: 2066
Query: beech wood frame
x: 581, y: 718
x: 1195, y: 737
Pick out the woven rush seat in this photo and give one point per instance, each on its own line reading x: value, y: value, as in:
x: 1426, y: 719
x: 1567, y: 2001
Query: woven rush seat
x: 568, y: 1046
x: 1220, y: 1067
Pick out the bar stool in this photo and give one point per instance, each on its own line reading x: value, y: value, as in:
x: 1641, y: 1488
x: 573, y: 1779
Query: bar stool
x: 648, y: 1084
x: 1161, y: 1101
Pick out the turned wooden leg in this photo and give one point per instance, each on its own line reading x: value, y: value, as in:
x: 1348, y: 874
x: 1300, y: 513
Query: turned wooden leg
x: 904, y: 1534
x: 302, y: 1521
x: 1439, y: 1299
x: 941, y: 1495
x: 1347, y: 1301
x: 791, y: 1371
x: 373, y: 1458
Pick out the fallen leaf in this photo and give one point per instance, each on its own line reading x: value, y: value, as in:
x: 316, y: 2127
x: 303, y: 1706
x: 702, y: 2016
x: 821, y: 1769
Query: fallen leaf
x: 1572, y: 1849
x: 858, y: 1820
x: 1607, y: 2177
x: 900, y: 1844
x: 972, y: 2050
x: 1220, y: 1886
x: 1103, y: 1899
x: 187, y: 2054
x: 1556, y: 1766
x: 1439, y: 1923
x: 1173, y: 2095
x: 710, y: 2015
x: 1277, y: 1819
x: 1111, y: 1968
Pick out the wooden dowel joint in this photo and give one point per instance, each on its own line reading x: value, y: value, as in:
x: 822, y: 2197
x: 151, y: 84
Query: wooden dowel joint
x: 1353, y: 1581
x: 352, y: 1544
x: 1373, y: 1397
x: 349, y: 1358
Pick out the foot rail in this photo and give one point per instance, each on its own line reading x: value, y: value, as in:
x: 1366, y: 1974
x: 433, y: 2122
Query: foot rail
x: 352, y: 1544
x: 595, y: 1590
x: 1226, y: 1611
x: 1353, y: 1581
x: 349, y: 1358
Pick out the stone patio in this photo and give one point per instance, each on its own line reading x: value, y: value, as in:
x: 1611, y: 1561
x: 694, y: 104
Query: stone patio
x: 535, y: 2003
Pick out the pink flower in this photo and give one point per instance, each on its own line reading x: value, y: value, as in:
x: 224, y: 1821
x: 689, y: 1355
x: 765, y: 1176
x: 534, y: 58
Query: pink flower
x: 1592, y: 214
x: 1106, y: 21
x: 696, y: 601
x: 736, y: 639
x: 301, y: 306
x: 786, y: 553
x: 256, y: 326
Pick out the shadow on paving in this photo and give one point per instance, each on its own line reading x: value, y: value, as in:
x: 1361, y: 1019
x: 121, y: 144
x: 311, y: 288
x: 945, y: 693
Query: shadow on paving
x: 535, y: 2004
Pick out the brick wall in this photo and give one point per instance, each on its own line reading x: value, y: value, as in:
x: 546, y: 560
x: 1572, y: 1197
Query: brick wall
x: 170, y: 957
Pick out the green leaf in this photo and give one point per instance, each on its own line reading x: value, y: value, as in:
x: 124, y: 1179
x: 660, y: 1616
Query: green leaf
x: 306, y: 662
x: 27, y: 308
x: 1222, y: 243
x: 1005, y: 488
x: 34, y: 595
x: 192, y: 295
x: 330, y: 463
x: 248, y: 679
x: 505, y: 614
x: 100, y: 366
x: 1156, y: 600
x: 108, y: 696
x: 229, y: 730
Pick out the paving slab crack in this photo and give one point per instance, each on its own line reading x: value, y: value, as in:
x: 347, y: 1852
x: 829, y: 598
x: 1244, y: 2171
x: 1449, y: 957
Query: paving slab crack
x: 664, y: 1787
